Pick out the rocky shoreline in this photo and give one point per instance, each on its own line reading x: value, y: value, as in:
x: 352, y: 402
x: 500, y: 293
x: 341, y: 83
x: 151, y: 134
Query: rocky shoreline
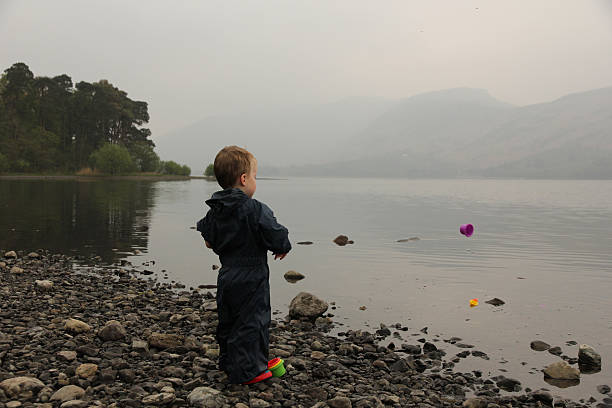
x: 108, y: 337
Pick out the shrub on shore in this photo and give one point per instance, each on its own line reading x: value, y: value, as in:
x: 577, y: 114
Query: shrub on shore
x: 171, y: 167
x: 210, y: 171
x: 112, y: 159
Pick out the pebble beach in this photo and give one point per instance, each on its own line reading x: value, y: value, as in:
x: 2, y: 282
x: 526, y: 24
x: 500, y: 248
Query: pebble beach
x: 110, y: 337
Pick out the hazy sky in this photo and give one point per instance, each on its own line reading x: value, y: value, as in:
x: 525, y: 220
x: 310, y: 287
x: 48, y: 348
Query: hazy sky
x: 191, y: 59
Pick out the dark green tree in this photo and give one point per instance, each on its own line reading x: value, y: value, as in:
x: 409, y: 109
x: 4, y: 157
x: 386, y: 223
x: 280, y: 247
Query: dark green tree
x: 144, y: 156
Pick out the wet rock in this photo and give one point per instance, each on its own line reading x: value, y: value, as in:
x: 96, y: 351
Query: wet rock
x: 305, y: 243
x: 480, y: 354
x: 561, y: 371
x: 496, y: 302
x: 68, y: 393
x: 307, y: 305
x: 76, y: 326
x: 542, y: 396
x: 538, y: 345
x: 293, y: 276
x: 411, y: 349
x: 34, y: 255
x: 603, y: 389
x: 342, y: 240
x: 508, y: 384
x: 409, y: 239
x: 112, y: 331
x: 588, y: 358
x: 555, y: 351
x: 10, y: 255
x: 23, y: 388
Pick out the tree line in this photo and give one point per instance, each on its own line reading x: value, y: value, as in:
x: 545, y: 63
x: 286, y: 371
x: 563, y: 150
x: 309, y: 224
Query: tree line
x: 49, y: 124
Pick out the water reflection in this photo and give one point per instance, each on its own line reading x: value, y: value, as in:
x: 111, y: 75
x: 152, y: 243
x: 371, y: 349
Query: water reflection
x: 91, y: 218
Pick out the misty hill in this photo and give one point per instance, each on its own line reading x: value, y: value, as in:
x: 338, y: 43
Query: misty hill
x: 292, y: 135
x: 467, y: 133
x: 452, y: 133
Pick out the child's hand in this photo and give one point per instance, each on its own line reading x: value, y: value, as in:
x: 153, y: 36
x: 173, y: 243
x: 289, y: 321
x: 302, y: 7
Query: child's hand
x: 279, y: 256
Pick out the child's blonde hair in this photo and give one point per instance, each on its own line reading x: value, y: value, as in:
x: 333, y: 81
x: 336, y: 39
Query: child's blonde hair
x: 230, y: 163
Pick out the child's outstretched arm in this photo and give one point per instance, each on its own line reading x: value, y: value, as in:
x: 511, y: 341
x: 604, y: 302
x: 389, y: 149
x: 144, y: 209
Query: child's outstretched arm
x: 273, y: 235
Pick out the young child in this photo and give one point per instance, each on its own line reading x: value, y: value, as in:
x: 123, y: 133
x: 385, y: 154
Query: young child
x: 241, y: 230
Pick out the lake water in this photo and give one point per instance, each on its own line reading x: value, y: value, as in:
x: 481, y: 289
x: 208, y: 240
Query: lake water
x: 544, y: 247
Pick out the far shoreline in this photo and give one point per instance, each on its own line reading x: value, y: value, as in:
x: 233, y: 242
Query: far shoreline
x: 144, y: 177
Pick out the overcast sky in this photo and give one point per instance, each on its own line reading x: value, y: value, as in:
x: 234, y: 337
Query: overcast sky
x: 191, y: 59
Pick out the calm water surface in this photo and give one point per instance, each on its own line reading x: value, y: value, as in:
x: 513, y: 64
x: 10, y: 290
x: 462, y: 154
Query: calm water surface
x: 544, y: 247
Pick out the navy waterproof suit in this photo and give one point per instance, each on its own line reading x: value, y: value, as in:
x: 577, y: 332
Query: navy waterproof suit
x: 241, y: 230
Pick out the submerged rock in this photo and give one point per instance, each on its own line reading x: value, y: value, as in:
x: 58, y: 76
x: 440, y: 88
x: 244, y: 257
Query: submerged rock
x: 538, y: 345
x: 409, y: 239
x: 496, y: 302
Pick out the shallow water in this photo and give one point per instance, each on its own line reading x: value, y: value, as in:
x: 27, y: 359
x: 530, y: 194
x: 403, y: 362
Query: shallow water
x: 554, y: 235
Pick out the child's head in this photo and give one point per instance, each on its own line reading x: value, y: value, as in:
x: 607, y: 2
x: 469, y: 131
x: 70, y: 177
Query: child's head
x: 236, y: 167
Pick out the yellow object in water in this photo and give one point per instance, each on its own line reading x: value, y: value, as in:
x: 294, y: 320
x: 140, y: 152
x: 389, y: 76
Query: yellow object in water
x: 473, y: 302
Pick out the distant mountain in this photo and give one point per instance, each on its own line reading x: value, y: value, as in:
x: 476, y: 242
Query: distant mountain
x: 292, y: 135
x: 459, y: 132
x: 468, y: 133
x: 434, y: 123
x: 568, y: 137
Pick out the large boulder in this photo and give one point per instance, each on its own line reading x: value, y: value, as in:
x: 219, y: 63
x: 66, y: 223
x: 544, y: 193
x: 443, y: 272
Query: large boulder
x: 561, y: 371
x: 113, y: 330
x: 22, y: 388
x: 307, y: 305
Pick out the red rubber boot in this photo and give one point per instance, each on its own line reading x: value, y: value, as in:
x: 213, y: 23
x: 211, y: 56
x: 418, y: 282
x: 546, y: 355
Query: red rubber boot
x: 263, y: 376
